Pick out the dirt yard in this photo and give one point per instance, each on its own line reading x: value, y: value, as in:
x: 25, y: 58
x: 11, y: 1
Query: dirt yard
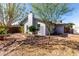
x: 25, y: 45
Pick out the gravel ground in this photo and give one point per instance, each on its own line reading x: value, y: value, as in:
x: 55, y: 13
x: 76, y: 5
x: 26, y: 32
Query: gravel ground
x: 40, y: 46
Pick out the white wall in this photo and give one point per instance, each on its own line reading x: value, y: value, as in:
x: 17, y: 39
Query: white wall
x: 75, y: 29
x: 28, y: 23
x: 31, y: 22
x: 30, y: 19
x: 42, y: 29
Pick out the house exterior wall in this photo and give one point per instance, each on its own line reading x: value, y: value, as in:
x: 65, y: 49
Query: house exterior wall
x: 28, y: 23
x: 31, y: 21
x: 75, y: 29
x: 60, y: 29
x: 51, y: 32
x: 42, y: 29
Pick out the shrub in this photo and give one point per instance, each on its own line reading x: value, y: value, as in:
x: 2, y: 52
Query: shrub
x: 3, y: 30
x: 21, y: 29
x: 32, y: 29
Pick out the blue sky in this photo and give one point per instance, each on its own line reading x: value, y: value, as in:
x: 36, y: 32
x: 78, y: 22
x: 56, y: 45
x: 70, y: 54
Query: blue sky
x: 72, y: 16
x: 29, y: 7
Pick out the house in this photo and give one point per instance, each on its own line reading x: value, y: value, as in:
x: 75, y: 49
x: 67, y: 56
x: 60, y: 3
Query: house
x: 31, y: 20
x: 59, y: 27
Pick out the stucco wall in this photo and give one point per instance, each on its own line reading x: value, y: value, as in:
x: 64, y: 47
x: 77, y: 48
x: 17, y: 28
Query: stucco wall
x: 42, y: 29
x: 31, y: 21
x: 28, y: 23
x: 75, y: 29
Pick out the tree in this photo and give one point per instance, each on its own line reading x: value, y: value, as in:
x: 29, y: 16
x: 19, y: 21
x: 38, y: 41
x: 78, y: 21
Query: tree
x: 1, y: 15
x: 70, y: 26
x: 50, y: 13
x: 12, y: 12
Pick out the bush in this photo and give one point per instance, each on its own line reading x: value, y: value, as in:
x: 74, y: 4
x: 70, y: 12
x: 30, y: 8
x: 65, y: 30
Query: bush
x: 21, y: 29
x: 32, y: 29
x: 3, y: 30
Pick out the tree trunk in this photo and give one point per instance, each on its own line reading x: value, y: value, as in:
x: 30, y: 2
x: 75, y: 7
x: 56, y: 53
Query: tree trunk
x: 49, y: 31
x: 9, y: 22
x: 49, y: 34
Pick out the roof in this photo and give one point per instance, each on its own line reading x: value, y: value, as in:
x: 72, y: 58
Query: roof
x: 24, y: 21
x: 57, y: 23
x: 62, y: 23
x: 40, y: 20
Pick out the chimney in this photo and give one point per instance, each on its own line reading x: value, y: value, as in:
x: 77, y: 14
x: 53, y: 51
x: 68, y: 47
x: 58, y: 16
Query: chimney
x: 30, y: 18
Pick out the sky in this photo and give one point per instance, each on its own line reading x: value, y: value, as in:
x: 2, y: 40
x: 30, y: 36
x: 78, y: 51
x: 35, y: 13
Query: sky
x: 71, y: 17
x: 28, y: 7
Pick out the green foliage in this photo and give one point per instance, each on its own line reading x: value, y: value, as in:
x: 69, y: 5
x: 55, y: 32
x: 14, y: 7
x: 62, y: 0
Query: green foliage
x: 70, y: 25
x: 32, y: 29
x: 12, y: 12
x: 21, y: 29
x: 3, y: 30
x: 50, y: 12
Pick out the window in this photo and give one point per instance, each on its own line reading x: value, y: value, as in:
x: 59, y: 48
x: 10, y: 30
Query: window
x: 38, y: 26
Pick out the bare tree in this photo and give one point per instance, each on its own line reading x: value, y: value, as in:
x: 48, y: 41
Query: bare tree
x: 12, y: 12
